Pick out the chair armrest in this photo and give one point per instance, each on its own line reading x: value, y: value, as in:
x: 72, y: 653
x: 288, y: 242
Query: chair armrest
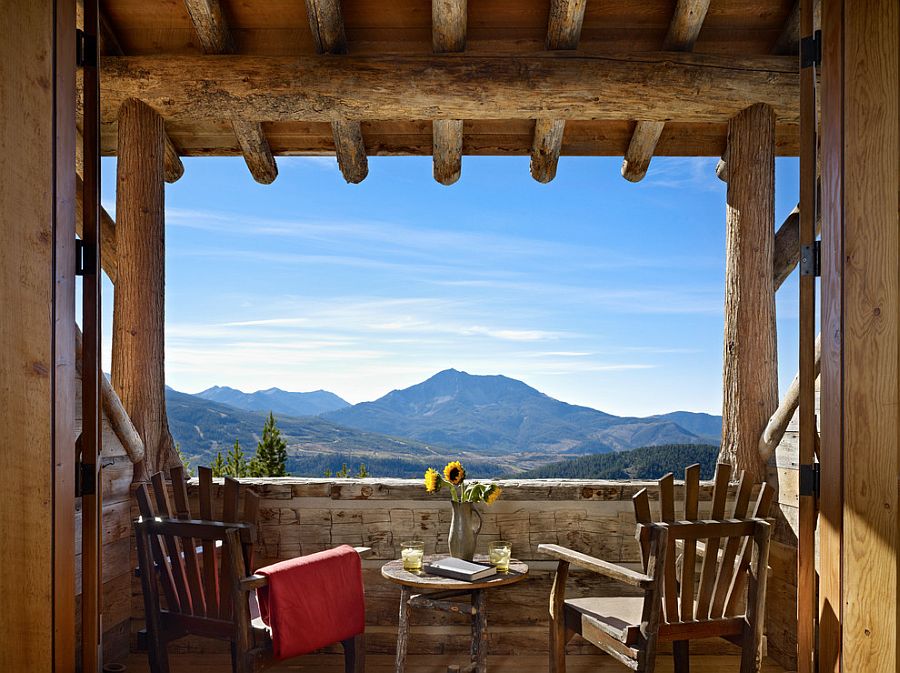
x: 599, y: 566
x: 253, y: 582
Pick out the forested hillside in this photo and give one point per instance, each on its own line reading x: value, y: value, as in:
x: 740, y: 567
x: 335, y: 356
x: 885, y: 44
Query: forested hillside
x: 649, y: 462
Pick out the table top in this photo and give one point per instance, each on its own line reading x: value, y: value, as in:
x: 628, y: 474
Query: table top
x: 393, y: 570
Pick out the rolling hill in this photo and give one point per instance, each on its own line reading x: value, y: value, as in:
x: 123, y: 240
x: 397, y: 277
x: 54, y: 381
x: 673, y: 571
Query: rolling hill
x: 497, y: 415
x: 277, y: 401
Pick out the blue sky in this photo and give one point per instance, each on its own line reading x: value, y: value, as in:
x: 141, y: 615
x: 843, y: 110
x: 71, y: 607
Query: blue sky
x: 592, y: 289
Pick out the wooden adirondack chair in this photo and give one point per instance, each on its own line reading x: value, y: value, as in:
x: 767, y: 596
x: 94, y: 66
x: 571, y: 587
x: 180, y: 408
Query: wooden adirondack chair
x: 726, y: 599
x: 203, y: 570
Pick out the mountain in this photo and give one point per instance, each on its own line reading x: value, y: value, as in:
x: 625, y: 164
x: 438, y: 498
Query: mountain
x: 276, y: 400
x: 202, y: 427
x: 497, y: 415
x: 648, y: 462
x: 704, y: 425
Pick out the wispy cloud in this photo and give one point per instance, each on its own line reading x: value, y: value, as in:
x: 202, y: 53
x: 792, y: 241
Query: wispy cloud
x: 694, y: 173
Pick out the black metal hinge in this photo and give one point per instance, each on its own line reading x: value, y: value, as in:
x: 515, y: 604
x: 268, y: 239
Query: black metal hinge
x: 85, y: 49
x: 811, y: 50
x: 85, y: 479
x: 810, y: 480
x: 85, y: 258
x: 811, y: 259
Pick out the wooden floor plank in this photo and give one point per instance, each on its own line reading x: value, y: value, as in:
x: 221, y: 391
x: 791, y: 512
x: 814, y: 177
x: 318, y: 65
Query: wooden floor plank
x: 384, y: 663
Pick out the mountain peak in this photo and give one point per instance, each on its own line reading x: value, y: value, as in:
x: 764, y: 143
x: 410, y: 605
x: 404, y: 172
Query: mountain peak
x: 276, y: 400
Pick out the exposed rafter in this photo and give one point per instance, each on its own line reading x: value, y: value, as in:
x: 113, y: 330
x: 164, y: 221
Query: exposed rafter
x: 327, y: 26
x: 665, y: 86
x: 683, y: 31
x: 563, y: 33
x: 789, y: 39
x: 110, y: 47
x: 448, y: 35
x: 212, y: 30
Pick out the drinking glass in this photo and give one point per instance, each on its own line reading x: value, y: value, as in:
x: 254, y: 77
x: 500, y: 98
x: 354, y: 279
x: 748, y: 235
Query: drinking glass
x: 499, y: 554
x: 412, y: 553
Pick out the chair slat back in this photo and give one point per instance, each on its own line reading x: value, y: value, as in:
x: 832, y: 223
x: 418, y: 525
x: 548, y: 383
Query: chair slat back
x: 195, y: 584
x: 728, y: 545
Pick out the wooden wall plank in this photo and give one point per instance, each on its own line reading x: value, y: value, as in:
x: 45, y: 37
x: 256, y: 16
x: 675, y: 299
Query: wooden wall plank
x: 37, y: 363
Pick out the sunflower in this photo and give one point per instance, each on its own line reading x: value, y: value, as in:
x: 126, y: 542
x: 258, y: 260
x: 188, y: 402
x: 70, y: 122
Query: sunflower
x: 493, y: 493
x: 432, y: 480
x: 454, y: 473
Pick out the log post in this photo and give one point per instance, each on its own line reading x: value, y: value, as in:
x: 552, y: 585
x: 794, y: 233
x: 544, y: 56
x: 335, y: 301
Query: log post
x: 138, y: 357
x: 750, y: 379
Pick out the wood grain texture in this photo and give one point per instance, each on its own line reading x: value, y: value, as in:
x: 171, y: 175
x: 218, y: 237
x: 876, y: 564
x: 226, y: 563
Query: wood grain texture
x: 448, y: 19
x: 448, y: 144
x: 211, y: 26
x: 641, y: 149
x: 563, y: 32
x: 256, y: 151
x: 832, y: 389
x: 546, y: 147
x: 683, y: 31
x: 107, y: 231
x: 750, y: 377
x: 37, y: 363
x: 350, y: 149
x: 871, y: 334
x: 138, y: 353
x: 327, y: 26
x: 654, y: 87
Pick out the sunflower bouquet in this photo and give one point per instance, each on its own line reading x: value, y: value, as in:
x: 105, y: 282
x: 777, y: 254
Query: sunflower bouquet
x: 454, y: 478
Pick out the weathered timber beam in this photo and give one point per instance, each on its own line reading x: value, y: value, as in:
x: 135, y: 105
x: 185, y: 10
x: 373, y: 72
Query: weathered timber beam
x: 256, y: 151
x: 447, y: 149
x: 565, y: 85
x: 545, y: 148
x: 350, y: 150
x: 683, y: 31
x: 448, y: 35
x: 750, y: 372
x: 211, y: 26
x: 778, y: 423
x: 110, y: 47
x: 563, y: 33
x: 107, y: 231
x: 327, y: 26
x: 216, y: 38
x: 118, y: 418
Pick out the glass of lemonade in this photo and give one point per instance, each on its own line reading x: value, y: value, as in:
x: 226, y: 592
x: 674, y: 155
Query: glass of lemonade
x: 412, y: 553
x: 499, y: 553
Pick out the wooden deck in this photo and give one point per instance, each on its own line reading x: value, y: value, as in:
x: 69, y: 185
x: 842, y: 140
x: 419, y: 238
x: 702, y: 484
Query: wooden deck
x: 384, y: 663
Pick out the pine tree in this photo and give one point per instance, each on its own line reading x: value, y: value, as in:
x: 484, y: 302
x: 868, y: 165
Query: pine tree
x: 271, y: 450
x: 235, y: 462
x: 218, y: 466
x: 184, y: 460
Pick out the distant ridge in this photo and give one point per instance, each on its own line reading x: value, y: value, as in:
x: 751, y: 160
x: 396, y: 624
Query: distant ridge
x: 498, y: 415
x: 276, y: 400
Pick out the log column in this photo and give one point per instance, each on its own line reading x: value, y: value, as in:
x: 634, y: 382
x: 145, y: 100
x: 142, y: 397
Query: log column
x: 750, y: 358
x: 138, y: 346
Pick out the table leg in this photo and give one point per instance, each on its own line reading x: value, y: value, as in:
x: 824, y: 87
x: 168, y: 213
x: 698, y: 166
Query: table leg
x: 403, y: 628
x: 479, y: 632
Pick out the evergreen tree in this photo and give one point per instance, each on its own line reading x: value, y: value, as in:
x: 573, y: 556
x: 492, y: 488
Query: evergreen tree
x: 235, y: 463
x: 218, y: 465
x: 184, y: 460
x: 271, y: 451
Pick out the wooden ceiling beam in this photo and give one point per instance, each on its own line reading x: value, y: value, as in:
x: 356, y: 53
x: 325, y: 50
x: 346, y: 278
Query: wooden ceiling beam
x: 789, y: 39
x: 326, y: 24
x: 212, y: 30
x: 683, y: 31
x: 111, y: 47
x: 448, y: 35
x: 666, y: 86
x: 563, y: 33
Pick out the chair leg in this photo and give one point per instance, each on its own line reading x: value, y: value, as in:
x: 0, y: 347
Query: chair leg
x: 355, y: 654
x: 157, y: 652
x: 559, y: 637
x: 681, y: 656
x: 751, y: 652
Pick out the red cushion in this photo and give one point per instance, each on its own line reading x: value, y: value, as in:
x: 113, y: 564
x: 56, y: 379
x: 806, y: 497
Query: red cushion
x: 313, y: 601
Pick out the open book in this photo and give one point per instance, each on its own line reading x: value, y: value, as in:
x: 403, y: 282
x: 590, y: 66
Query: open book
x: 458, y: 569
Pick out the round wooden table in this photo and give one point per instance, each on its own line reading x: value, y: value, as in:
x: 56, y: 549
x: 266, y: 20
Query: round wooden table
x: 441, y: 593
